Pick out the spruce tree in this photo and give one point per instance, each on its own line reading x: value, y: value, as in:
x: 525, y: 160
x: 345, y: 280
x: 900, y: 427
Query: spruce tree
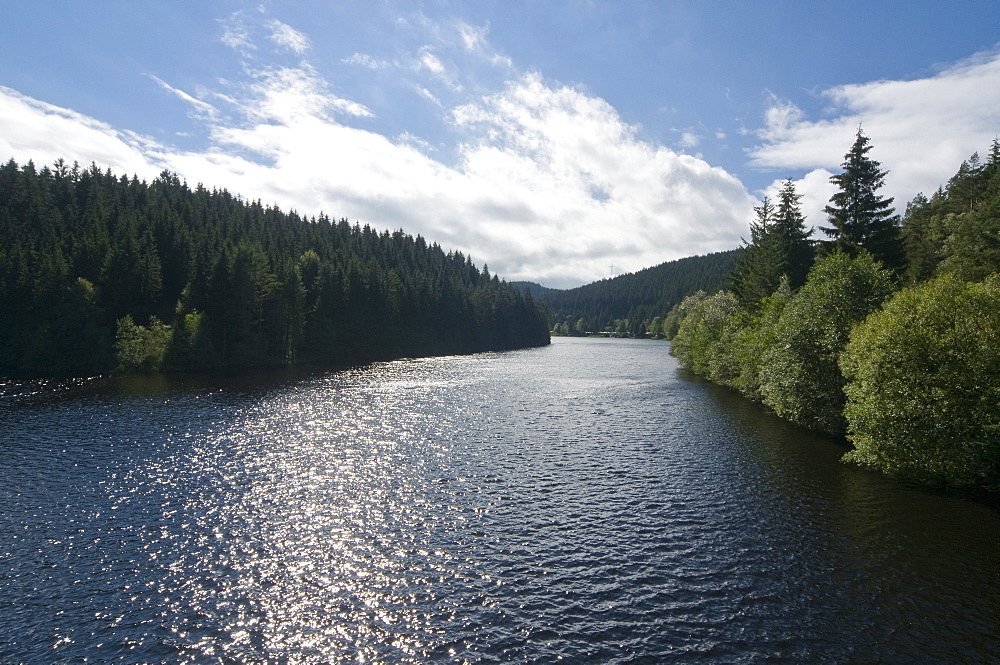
x: 859, y: 217
x: 796, y: 248
x: 759, y: 266
x: 779, y: 247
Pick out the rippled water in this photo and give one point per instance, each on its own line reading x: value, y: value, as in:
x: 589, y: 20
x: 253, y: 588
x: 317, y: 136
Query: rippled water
x: 585, y: 501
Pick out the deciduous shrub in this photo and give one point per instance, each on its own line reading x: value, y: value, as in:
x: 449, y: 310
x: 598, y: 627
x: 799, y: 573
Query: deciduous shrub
x: 923, y: 391
x: 799, y: 376
x: 704, y: 342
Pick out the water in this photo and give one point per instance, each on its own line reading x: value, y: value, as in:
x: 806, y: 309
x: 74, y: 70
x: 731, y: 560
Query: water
x: 585, y: 501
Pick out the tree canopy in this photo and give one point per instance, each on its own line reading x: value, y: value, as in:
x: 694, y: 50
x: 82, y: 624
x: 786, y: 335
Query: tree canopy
x: 859, y: 217
x: 779, y: 247
x: 893, y: 342
x: 99, y: 272
x: 634, y: 304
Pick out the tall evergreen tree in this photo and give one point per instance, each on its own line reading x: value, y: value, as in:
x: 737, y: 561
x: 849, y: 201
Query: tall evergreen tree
x: 779, y: 247
x: 790, y: 230
x: 859, y: 217
x: 759, y: 266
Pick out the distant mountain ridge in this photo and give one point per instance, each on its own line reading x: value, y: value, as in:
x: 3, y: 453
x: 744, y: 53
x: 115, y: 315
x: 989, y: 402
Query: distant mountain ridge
x: 631, y: 301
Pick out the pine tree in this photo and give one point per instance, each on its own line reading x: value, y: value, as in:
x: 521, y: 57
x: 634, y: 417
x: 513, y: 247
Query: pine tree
x: 758, y: 268
x: 779, y: 247
x: 860, y: 218
x: 793, y: 238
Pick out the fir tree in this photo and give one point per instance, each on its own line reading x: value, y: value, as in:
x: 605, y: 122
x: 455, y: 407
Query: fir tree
x: 779, y: 247
x: 859, y: 217
x: 793, y: 236
x: 759, y: 266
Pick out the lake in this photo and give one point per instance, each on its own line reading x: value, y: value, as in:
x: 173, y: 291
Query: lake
x: 587, y: 501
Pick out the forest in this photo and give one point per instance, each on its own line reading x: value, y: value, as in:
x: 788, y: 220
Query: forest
x: 634, y: 304
x: 102, y: 273
x: 886, y: 330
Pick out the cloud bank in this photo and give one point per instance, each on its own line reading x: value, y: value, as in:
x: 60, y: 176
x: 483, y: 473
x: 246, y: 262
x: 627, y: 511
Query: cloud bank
x: 541, y: 180
x: 921, y: 130
x: 545, y: 182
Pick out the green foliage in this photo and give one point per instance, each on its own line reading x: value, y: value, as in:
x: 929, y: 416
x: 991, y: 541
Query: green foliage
x: 141, y: 349
x: 754, y: 337
x: 785, y: 353
x: 859, y: 217
x: 189, y: 345
x: 703, y: 342
x: 957, y: 230
x: 800, y: 377
x: 779, y: 248
x: 758, y: 266
x: 634, y: 297
x: 915, y: 385
x: 924, y: 383
x: 84, y: 255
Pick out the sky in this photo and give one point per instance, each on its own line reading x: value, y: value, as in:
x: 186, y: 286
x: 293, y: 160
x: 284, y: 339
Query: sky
x: 560, y: 142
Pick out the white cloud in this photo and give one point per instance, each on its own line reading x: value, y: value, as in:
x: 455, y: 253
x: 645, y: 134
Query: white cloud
x: 474, y: 41
x: 689, y: 140
x: 549, y: 183
x: 202, y: 110
x: 427, y: 94
x: 286, y: 36
x: 284, y: 94
x: 473, y: 38
x: 235, y: 34
x: 431, y: 62
x: 365, y: 60
x: 921, y: 130
x: 564, y: 175
x: 34, y: 130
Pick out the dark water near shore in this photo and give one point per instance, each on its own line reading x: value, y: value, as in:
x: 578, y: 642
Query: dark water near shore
x: 585, y: 501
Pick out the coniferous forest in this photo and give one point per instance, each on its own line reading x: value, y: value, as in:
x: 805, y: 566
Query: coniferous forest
x: 634, y: 304
x: 102, y: 273
x: 887, y: 330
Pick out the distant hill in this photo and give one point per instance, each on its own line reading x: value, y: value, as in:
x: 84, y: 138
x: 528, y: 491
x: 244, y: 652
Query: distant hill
x: 538, y: 291
x: 631, y: 301
x: 100, y: 273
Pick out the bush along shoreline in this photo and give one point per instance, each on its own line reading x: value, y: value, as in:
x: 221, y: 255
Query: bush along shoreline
x: 890, y: 337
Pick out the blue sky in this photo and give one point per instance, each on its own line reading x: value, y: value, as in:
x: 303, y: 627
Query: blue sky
x: 551, y: 140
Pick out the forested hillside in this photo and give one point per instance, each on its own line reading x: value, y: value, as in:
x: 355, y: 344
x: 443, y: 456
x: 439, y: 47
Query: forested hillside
x: 101, y: 273
x: 633, y: 304
x: 887, y: 330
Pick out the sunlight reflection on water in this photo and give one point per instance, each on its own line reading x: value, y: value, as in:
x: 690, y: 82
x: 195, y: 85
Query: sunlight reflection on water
x: 582, y: 501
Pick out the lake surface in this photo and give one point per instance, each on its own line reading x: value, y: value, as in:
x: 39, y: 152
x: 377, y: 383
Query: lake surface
x: 586, y: 501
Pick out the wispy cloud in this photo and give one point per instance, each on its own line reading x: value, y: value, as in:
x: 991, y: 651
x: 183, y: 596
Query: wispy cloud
x: 365, y: 60
x: 201, y: 110
x: 288, y: 37
x: 689, y: 140
x: 235, y: 34
x: 921, y: 129
x: 288, y: 94
x: 429, y: 61
x: 474, y: 39
x: 547, y: 182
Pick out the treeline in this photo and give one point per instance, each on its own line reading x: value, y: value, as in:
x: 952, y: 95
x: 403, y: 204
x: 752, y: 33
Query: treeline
x: 100, y: 273
x: 634, y: 304
x: 887, y: 331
